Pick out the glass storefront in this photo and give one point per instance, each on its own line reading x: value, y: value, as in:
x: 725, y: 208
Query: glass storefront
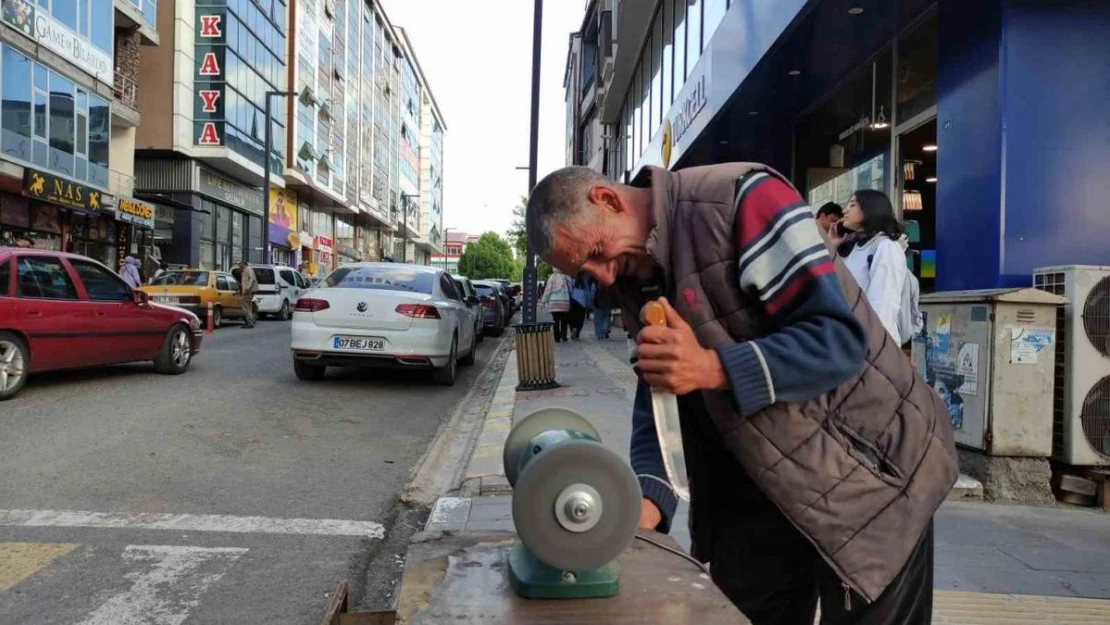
x: 94, y: 236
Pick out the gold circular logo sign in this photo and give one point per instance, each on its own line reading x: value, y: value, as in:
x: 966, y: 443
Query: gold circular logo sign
x: 666, y: 149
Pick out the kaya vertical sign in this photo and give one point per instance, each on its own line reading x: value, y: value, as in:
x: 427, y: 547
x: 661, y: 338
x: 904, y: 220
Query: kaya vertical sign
x: 209, y: 81
x: 58, y: 38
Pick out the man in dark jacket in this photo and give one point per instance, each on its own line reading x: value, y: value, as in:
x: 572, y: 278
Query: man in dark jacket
x: 816, y: 455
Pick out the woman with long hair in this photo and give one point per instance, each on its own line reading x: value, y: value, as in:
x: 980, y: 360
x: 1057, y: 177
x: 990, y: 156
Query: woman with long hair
x: 871, y: 241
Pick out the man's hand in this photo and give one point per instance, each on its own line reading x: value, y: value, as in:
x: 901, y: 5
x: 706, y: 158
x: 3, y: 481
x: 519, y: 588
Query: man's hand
x: 650, y: 516
x: 672, y: 360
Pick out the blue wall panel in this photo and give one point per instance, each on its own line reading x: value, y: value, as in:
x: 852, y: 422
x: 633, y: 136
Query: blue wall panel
x: 1056, y: 94
x: 969, y: 161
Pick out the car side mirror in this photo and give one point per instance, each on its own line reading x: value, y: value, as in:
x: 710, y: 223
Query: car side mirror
x: 473, y: 300
x: 139, y: 297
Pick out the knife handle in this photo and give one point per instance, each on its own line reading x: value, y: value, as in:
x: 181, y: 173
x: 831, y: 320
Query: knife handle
x: 653, y: 314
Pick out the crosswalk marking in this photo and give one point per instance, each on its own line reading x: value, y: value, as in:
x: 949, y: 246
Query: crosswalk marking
x: 192, y: 523
x: 18, y: 561
x: 167, y: 582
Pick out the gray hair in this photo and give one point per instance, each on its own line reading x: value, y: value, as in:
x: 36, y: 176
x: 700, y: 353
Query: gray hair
x: 560, y: 199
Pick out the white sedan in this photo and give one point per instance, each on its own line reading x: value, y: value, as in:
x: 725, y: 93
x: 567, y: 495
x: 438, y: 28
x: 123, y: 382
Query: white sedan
x: 383, y: 315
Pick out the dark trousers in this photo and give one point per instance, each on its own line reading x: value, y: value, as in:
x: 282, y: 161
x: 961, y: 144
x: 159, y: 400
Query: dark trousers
x: 576, y: 318
x: 776, y: 577
x: 560, y: 319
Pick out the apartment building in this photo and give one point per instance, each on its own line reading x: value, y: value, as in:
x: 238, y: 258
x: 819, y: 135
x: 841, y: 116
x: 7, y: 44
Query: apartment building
x: 346, y: 102
x: 69, y: 82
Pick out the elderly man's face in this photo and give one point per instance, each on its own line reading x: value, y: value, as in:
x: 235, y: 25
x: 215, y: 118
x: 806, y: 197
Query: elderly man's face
x: 607, y: 244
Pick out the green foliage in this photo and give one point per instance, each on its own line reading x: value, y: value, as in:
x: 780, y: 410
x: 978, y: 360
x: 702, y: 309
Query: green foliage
x: 489, y: 257
x: 518, y: 233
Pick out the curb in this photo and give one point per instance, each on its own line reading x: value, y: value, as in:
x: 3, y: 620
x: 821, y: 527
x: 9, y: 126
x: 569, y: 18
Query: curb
x: 440, y: 470
x: 484, y: 473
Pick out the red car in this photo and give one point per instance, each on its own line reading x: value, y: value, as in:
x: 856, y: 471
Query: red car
x: 64, y: 311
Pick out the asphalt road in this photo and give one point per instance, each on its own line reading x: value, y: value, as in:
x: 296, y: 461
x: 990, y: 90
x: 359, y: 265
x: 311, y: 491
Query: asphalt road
x: 232, y: 494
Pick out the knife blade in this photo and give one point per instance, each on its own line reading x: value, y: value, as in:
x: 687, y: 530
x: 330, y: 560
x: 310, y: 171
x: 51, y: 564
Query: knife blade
x: 668, y: 426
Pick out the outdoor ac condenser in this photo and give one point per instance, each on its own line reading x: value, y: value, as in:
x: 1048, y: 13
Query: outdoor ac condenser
x: 1081, y: 394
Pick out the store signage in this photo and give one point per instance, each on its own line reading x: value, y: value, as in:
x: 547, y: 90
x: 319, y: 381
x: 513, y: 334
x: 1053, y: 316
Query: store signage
x: 58, y: 38
x: 135, y: 212
x: 230, y: 192
x: 665, y: 149
x: 46, y: 187
x: 694, y: 102
x: 208, y: 84
x: 283, y: 215
x: 324, y: 243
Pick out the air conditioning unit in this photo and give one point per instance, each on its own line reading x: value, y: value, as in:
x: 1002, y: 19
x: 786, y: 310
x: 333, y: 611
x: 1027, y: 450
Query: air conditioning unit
x: 325, y: 161
x: 1081, y: 393
x: 325, y: 106
x: 308, y: 96
x: 307, y: 152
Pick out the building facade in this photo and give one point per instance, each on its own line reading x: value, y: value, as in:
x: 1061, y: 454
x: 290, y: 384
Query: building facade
x: 336, y: 74
x: 956, y: 110
x: 68, y: 102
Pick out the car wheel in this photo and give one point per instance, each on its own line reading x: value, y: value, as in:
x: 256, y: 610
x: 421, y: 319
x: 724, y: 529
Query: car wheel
x: 308, y: 372
x: 176, y: 352
x: 479, y: 333
x: 14, y: 362
x: 468, y: 359
x: 445, y: 375
x: 284, y: 313
x: 498, y: 330
x: 217, y: 317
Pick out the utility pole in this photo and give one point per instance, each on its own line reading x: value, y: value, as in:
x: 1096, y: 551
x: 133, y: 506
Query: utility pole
x: 533, y: 151
x: 266, y: 174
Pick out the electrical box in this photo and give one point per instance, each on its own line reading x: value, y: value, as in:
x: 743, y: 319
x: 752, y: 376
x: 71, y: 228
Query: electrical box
x: 991, y: 355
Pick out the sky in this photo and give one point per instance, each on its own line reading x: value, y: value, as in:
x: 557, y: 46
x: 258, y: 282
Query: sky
x: 477, y: 57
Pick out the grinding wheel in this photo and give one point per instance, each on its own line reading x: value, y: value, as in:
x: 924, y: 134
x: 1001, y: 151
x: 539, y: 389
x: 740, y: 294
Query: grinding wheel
x: 568, y: 467
x: 535, y: 424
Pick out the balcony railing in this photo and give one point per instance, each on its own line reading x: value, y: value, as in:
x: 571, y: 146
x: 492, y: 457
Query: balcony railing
x: 126, y: 89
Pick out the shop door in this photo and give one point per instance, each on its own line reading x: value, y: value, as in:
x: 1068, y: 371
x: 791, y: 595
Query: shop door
x: 918, y: 201
x: 47, y: 310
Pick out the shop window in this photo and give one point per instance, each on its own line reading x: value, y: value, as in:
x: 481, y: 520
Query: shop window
x: 61, y: 124
x: 101, y: 284
x: 656, y: 75
x: 917, y: 69
x: 844, y: 144
x: 44, y: 278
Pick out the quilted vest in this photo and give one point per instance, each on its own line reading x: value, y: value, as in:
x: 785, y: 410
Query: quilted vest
x: 860, y: 470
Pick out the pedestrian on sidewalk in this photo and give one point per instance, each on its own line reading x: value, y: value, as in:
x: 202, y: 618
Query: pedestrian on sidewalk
x: 248, y: 286
x: 579, y: 304
x: 816, y: 454
x: 130, y: 272
x: 556, y: 300
x: 871, y: 240
x: 604, y: 302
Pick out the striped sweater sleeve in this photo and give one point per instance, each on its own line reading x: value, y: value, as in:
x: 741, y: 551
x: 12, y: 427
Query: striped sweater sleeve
x: 818, y: 343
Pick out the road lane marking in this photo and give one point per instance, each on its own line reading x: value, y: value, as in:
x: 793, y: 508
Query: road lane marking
x: 167, y: 582
x: 192, y: 523
x: 18, y: 561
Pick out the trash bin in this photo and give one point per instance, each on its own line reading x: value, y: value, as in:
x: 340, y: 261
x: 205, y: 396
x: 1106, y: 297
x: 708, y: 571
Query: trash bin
x: 535, y: 356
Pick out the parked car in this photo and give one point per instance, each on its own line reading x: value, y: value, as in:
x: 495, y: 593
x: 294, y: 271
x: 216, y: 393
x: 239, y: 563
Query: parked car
x: 64, y: 311
x: 493, y: 307
x: 193, y: 289
x: 383, y: 315
x: 279, y: 288
x: 473, y: 304
x: 506, y: 299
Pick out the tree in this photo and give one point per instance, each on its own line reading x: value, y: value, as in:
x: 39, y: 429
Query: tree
x: 488, y: 257
x: 518, y: 233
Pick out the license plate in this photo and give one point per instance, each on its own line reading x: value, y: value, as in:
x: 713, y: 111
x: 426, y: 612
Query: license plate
x: 357, y: 343
x: 165, y: 299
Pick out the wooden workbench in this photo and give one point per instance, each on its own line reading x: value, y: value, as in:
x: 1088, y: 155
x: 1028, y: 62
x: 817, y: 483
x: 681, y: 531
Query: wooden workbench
x: 461, y: 580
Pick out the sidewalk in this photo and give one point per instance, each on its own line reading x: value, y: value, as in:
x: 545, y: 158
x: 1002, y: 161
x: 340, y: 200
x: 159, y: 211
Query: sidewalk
x: 994, y: 563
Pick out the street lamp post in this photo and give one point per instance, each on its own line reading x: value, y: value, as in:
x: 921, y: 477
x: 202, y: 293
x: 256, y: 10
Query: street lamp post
x: 533, y: 147
x: 445, y: 231
x: 266, y: 175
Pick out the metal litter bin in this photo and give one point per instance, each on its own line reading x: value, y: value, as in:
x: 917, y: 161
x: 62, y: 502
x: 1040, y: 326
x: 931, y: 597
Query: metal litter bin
x: 535, y: 356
